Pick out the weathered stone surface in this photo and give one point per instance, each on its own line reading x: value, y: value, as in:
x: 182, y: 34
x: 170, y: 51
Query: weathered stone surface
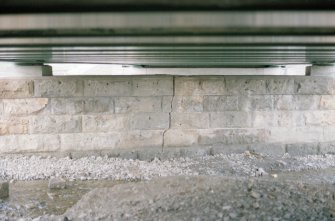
x: 313, y: 85
x: 108, y: 87
x: 229, y: 149
x: 16, y: 88
x: 104, y: 123
x: 167, y: 104
x: 305, y: 102
x: 13, y: 126
x: 152, y: 86
x: 138, y: 104
x: 220, y: 103
x: 180, y: 138
x: 302, y: 149
x: 57, y: 183
x: 295, y: 134
x: 280, y: 86
x: 271, y: 149
x: 1, y: 107
x: 296, y: 102
x: 327, y: 148
x: 29, y: 143
x: 23, y: 107
x: 255, y: 102
x: 230, y: 119
x: 319, y: 118
x: 283, y: 102
x: 328, y: 132
x: 89, y: 141
x: 149, y: 121
x: 142, y: 139
x: 55, y: 124
x: 58, y: 87
x: 188, y: 86
x: 99, y: 105
x: 265, y: 119
x: 327, y: 102
x: 187, y: 104
x: 232, y: 136
x: 98, y: 114
x: 66, y: 106
x: 4, y: 189
x: 242, y: 86
x: 190, y: 120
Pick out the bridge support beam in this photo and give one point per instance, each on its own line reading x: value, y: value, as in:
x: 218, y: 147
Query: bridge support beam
x: 11, y: 69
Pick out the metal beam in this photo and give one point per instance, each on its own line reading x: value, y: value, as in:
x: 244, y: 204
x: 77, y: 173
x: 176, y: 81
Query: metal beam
x: 24, y: 6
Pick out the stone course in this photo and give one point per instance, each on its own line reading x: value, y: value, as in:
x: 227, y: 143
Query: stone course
x: 207, y: 114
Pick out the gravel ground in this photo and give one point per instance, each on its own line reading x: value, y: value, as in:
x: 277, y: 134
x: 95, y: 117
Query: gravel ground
x: 291, y: 188
x: 20, y: 167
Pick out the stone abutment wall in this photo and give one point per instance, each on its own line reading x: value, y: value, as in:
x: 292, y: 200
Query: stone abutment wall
x: 164, y: 116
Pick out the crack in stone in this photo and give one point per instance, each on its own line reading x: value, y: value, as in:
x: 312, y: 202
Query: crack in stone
x: 171, y: 104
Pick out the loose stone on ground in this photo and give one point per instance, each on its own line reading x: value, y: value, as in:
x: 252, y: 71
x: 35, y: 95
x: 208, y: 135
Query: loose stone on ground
x: 4, y: 189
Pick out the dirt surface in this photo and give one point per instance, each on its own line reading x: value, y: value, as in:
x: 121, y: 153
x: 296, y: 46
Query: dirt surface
x: 222, y: 187
x: 207, y: 198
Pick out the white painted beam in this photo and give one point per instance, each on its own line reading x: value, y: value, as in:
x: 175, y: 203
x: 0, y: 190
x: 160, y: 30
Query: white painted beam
x: 106, y: 69
x: 10, y: 69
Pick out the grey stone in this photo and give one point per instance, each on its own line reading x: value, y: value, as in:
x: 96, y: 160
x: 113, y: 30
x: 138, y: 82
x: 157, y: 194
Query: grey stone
x: 328, y: 134
x: 14, y: 125
x: 271, y: 149
x: 306, y: 102
x: 16, y: 88
x: 66, y: 106
x: 296, y: 102
x: 243, y: 86
x: 58, y: 87
x: 29, y: 143
x: 232, y: 136
x: 220, y: 103
x: 327, y: 148
x: 99, y: 105
x: 167, y: 104
x: 313, y: 85
x: 302, y: 149
x: 104, y: 123
x: 152, y: 86
x: 57, y: 183
x: 229, y: 149
x: 89, y: 141
x: 188, y: 86
x: 55, y: 124
x: 141, y: 139
x: 149, y: 121
x: 190, y: 120
x: 283, y: 102
x: 265, y: 119
x: 138, y: 104
x: 280, y: 86
x: 319, y: 118
x: 295, y: 134
x: 180, y: 138
x: 187, y: 104
x: 24, y: 107
x: 255, y: 102
x: 327, y: 102
x: 4, y: 189
x: 230, y: 119
x: 108, y: 87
